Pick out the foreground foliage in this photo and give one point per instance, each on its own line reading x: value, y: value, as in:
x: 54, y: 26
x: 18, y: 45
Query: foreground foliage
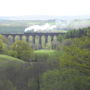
x: 73, y: 72
x: 68, y: 68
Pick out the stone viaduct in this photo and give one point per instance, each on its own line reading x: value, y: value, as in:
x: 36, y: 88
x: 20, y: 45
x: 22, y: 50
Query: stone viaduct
x: 33, y: 35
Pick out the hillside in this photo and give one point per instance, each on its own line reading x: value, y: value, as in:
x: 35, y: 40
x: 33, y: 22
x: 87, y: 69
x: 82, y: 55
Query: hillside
x: 8, y: 60
x: 5, y: 58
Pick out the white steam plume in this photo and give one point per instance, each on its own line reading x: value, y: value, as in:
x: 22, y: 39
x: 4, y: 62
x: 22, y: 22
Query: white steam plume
x: 36, y: 28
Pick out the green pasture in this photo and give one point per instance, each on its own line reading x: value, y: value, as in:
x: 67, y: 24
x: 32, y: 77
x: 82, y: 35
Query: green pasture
x: 44, y: 51
x: 5, y: 58
x: 6, y: 61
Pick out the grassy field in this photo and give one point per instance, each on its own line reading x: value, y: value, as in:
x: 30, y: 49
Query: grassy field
x: 44, y: 51
x: 12, y: 29
x: 4, y: 58
x: 44, y: 55
x: 6, y: 61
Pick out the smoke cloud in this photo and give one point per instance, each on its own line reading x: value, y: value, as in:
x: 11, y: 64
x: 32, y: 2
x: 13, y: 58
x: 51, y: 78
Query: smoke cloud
x: 37, y: 28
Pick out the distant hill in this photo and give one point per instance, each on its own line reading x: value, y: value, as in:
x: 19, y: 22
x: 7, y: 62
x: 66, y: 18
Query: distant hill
x: 34, y: 17
x: 17, y: 24
x: 42, y: 17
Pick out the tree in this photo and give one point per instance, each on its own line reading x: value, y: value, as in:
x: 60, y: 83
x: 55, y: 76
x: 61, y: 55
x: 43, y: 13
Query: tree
x: 23, y: 50
x: 3, y: 44
x: 73, y: 72
x: 3, y: 47
x: 3, y: 39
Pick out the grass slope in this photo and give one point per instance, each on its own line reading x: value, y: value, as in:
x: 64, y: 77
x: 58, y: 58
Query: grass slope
x: 4, y: 58
x: 6, y: 61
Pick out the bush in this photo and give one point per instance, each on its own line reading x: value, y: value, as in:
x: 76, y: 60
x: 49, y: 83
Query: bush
x: 22, y: 50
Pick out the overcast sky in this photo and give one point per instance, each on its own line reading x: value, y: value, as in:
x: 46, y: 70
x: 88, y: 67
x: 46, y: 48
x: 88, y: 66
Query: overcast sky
x: 44, y: 7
